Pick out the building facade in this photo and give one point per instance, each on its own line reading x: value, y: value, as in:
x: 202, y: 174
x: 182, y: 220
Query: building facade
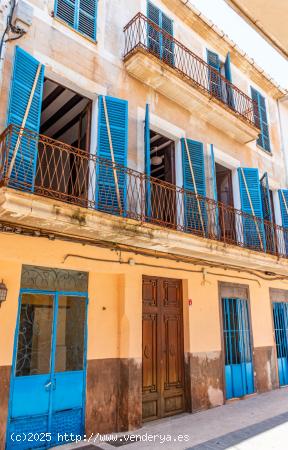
x: 143, y: 219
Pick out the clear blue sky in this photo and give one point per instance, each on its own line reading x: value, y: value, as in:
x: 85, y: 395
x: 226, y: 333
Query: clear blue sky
x: 245, y: 37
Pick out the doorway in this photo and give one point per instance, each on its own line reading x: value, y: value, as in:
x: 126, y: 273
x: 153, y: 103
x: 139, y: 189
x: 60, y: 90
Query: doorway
x: 162, y: 348
x: 162, y: 169
x: 47, y: 394
x: 239, y: 374
x: 63, y: 170
x: 225, y: 196
x: 280, y: 317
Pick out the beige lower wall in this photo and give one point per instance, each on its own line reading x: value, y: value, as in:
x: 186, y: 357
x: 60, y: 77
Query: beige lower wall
x: 115, y: 297
x: 115, y: 325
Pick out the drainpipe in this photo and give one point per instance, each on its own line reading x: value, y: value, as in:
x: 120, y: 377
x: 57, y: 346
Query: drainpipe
x: 283, y: 146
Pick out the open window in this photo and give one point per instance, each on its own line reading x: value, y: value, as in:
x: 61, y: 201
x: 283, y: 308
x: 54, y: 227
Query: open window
x: 65, y: 117
x: 225, y: 196
x: 162, y: 169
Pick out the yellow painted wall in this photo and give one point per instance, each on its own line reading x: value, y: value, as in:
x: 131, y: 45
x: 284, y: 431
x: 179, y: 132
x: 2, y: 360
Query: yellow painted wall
x: 115, y: 297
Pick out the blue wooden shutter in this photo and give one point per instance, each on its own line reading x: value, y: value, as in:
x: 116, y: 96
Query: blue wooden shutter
x: 254, y: 235
x: 215, y: 225
x: 283, y: 194
x: 79, y: 14
x: 228, y: 76
x: 87, y: 18
x: 260, y: 116
x: 213, y: 78
x: 192, y: 213
x: 154, y: 36
x: 147, y: 161
x: 159, y: 44
x: 227, y: 67
x: 24, y: 72
x: 283, y: 199
x: 213, y: 173
x: 106, y: 194
x: 167, y: 43
x: 213, y: 60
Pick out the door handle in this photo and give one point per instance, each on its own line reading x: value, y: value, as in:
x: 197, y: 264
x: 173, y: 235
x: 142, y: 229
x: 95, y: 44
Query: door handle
x: 47, y: 385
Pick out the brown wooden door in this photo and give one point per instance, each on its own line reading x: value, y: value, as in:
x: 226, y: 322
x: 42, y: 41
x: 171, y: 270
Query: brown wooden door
x: 163, y: 350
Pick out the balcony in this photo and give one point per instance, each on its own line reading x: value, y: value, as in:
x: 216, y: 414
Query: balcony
x: 160, y: 61
x: 99, y: 192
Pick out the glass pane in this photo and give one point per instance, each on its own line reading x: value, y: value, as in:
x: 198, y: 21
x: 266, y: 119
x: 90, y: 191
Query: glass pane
x: 70, y: 333
x: 35, y: 331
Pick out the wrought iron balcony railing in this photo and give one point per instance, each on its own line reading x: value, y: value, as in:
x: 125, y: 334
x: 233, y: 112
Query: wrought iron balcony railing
x: 142, y: 34
x: 34, y: 163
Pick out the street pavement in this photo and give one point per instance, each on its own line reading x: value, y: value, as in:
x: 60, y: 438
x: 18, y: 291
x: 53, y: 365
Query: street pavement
x: 258, y: 422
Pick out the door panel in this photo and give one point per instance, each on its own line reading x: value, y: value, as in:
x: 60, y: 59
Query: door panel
x: 68, y: 382
x: 34, y: 336
x: 33, y: 357
x: 163, y: 353
x: 280, y: 315
x: 47, y: 390
x: 239, y: 377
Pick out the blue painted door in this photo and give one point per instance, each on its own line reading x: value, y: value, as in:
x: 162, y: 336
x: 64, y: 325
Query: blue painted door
x: 47, y: 393
x: 239, y: 377
x: 280, y: 315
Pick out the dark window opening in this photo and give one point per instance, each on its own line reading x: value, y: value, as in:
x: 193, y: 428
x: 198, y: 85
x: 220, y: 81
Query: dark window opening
x: 162, y: 161
x: 62, y: 171
x: 225, y: 196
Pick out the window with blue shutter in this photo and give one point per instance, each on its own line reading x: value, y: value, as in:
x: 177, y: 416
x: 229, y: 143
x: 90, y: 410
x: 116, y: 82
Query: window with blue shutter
x: 283, y: 199
x: 267, y: 213
x: 158, y: 42
x: 260, y: 116
x: 25, y: 70
x: 251, y: 203
x: 228, y: 76
x: 214, y: 79
x: 147, y: 161
x: 195, y: 214
x: 79, y: 14
x: 107, y: 184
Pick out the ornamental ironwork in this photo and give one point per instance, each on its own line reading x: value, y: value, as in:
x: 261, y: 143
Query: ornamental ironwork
x: 50, y: 279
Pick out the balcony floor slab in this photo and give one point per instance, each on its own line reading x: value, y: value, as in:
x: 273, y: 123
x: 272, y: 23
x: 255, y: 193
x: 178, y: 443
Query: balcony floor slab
x: 25, y: 209
x: 166, y: 80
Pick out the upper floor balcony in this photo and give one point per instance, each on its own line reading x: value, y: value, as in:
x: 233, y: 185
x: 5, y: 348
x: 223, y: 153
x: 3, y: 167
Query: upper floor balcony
x: 65, y: 189
x: 159, y: 60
